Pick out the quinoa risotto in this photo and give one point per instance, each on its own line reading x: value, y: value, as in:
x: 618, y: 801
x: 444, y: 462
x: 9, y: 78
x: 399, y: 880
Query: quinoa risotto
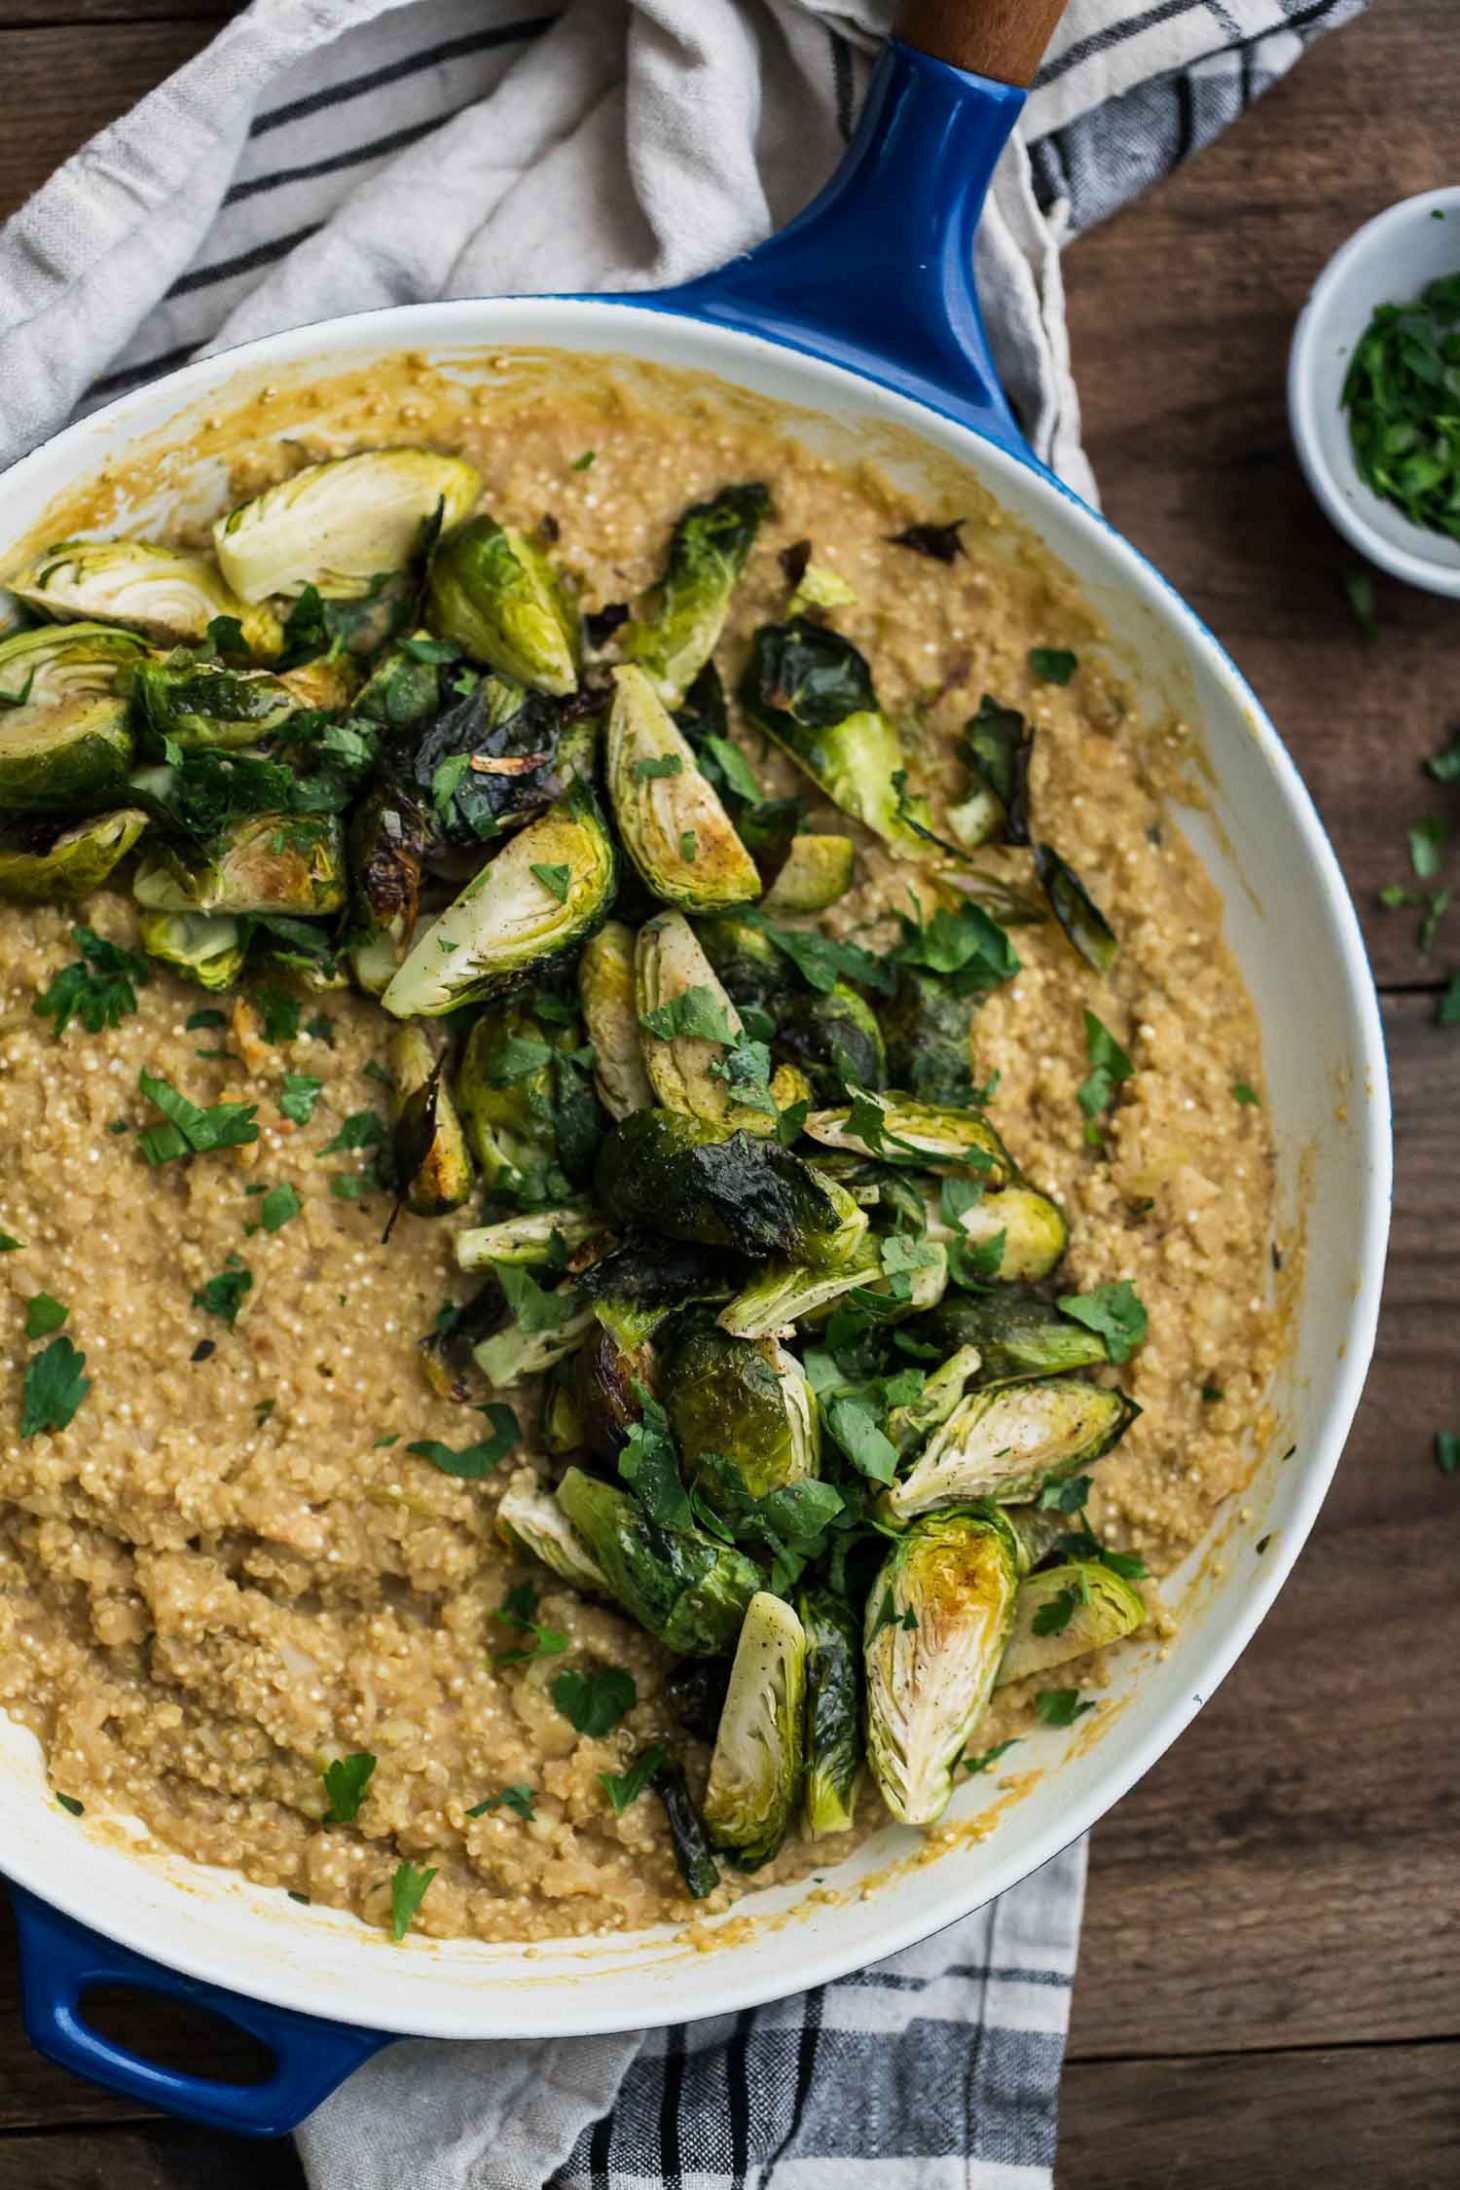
x: 635, y: 1199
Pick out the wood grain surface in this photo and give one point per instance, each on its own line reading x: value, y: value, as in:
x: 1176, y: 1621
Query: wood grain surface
x: 1269, y: 1992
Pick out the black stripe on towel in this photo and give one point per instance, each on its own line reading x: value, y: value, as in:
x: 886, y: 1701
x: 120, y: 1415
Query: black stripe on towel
x: 354, y: 87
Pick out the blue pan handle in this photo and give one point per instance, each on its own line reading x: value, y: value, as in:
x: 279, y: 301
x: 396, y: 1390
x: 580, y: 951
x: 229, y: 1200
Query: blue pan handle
x: 61, y: 1960
x: 877, y: 273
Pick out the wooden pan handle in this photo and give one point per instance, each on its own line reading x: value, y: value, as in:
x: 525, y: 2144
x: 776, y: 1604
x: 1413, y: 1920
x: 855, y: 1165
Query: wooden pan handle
x: 1001, y: 39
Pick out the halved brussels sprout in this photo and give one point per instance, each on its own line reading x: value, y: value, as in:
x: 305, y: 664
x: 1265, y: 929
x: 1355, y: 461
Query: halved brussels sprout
x: 783, y: 1294
x: 513, y: 1353
x: 52, y: 758
x: 833, y: 1712
x: 1032, y: 1228
x: 755, y: 1770
x: 547, y: 888
x: 943, y: 1388
x: 670, y: 818
x: 387, y: 841
x: 744, y: 1406
x: 432, y: 1167
x: 170, y: 595
x: 1066, y: 1612
x: 938, y: 1618
x: 203, y: 706
x: 1007, y: 1441
x: 611, y: 1017
x: 687, y: 1029
x: 679, y: 621
x: 34, y: 871
x: 532, y: 1242
x: 897, y: 1295
x: 817, y: 871
x: 504, y: 1092
x: 929, y: 1033
x: 495, y: 593
x: 613, y: 1372
x: 207, y: 948
x: 921, y: 1134
x: 1018, y: 1334
x: 55, y: 663
x: 676, y: 1582
x: 530, y: 1518
x: 811, y: 690
x: 259, y: 863
x: 677, y: 1176
x: 834, y: 1039
x: 338, y: 525
x: 636, y: 1286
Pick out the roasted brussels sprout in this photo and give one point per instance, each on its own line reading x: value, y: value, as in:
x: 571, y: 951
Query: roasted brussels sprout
x: 742, y: 1405
x: 754, y: 973
x: 678, y: 1583
x: 506, y: 1091
x: 636, y: 1286
x: 908, y: 1425
x: 402, y: 691
x: 1066, y: 1612
x: 833, y: 1712
x: 546, y: 890
x: 834, y: 1039
x: 170, y: 595
x: 928, y: 1028
x: 1031, y: 1227
x: 261, y: 863
x: 938, y: 1618
x: 783, y: 1294
x: 998, y: 742
x: 811, y: 690
x: 530, y: 1518
x: 819, y: 586
x: 897, y: 1294
x: 816, y: 871
x: 513, y: 1352
x: 611, y: 1017
x: 680, y: 620
x: 535, y: 1242
x: 56, y: 663
x: 447, y: 1351
x: 338, y: 525
x: 387, y: 837
x: 208, y: 948
x: 689, y: 1033
x: 672, y: 823
x: 614, y: 1370
x: 1017, y: 1333
x: 488, y: 763
x: 39, y: 866
x: 756, y: 1767
x: 428, y: 1148
x: 675, y: 1175
x: 57, y: 758
x: 686, y: 1830
x: 203, y: 705
x: 495, y: 593
x: 1036, y: 1531
x: 1076, y: 910
x: 1007, y: 1441
x: 921, y: 1134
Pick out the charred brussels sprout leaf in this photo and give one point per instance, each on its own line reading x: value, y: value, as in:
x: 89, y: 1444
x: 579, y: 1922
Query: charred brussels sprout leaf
x: 785, y: 1293
x: 387, y: 839
x: 756, y: 1767
x: 613, y: 1391
x: 834, y: 1039
x: 678, y: 1583
x: 929, y: 1032
x: 686, y: 1831
x: 544, y: 1240
x: 264, y: 863
x: 208, y: 948
x: 816, y: 871
x: 530, y: 1518
x: 170, y: 595
x: 938, y: 1617
x: 746, y: 1405
x: 1076, y: 910
x: 489, y: 762
x: 611, y: 1017
x: 506, y: 921
x: 999, y: 743
x: 679, y: 621
x: 1016, y: 1333
x: 428, y: 1148
x: 38, y: 866
x: 810, y: 690
x: 833, y: 1712
x: 635, y: 1286
x: 903, y: 1132
x: 754, y: 972
x: 495, y: 593
x: 1009, y: 1441
x: 1029, y: 1227
x: 677, y: 1176
x: 1066, y: 1612
x: 198, y: 705
x: 338, y: 525
x: 673, y: 826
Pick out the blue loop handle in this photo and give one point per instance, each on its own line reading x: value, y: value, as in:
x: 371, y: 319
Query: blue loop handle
x: 61, y: 1959
x: 877, y: 273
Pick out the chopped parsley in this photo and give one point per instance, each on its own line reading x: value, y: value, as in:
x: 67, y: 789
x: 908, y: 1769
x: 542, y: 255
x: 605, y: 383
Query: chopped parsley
x: 223, y: 1295
x: 1060, y: 1706
x: 533, y: 1309
x: 1445, y: 767
x: 1399, y: 392
x: 471, y: 1462
x: 280, y: 1013
x: 518, y: 1798
x: 70, y: 1804
x: 595, y: 1703
x: 988, y: 1757
x: 582, y: 463
x: 625, y: 1787
x: 278, y: 1206
x: 968, y: 946
x: 1110, y: 1068
x: 1427, y: 847
x: 649, y: 1464
x: 555, y: 880
x: 518, y: 1610
x: 345, y: 1782
x: 43, y: 1315
x: 298, y: 1096
x: 1055, y: 1616
x: 196, y: 1021
x: 695, y: 1015
x: 651, y: 770
x: 9, y: 1245
x: 1211, y: 1393
x: 735, y: 768
x: 1447, y: 1013
x: 99, y: 988
x: 407, y: 1892
x: 1114, y: 1311
x: 362, y: 1129
x: 1358, y: 585
x: 1242, y: 1093
x: 54, y: 1388
x: 190, y: 1131
x: 1053, y: 664
x: 689, y: 846
x: 1447, y: 1452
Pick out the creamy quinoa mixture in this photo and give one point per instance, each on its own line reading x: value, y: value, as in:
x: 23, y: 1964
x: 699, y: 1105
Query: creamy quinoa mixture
x: 228, y: 1570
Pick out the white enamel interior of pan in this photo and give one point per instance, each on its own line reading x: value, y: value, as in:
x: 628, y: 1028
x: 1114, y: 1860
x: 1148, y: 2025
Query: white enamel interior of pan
x: 1293, y: 930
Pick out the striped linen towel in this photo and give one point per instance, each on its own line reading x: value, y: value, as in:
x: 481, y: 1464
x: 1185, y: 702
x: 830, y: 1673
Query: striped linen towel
x: 333, y: 155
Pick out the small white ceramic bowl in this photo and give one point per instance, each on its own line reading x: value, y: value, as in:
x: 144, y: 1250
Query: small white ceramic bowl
x: 1388, y: 261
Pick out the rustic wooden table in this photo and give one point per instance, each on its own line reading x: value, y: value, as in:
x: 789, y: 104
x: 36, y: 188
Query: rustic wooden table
x: 1269, y: 1990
